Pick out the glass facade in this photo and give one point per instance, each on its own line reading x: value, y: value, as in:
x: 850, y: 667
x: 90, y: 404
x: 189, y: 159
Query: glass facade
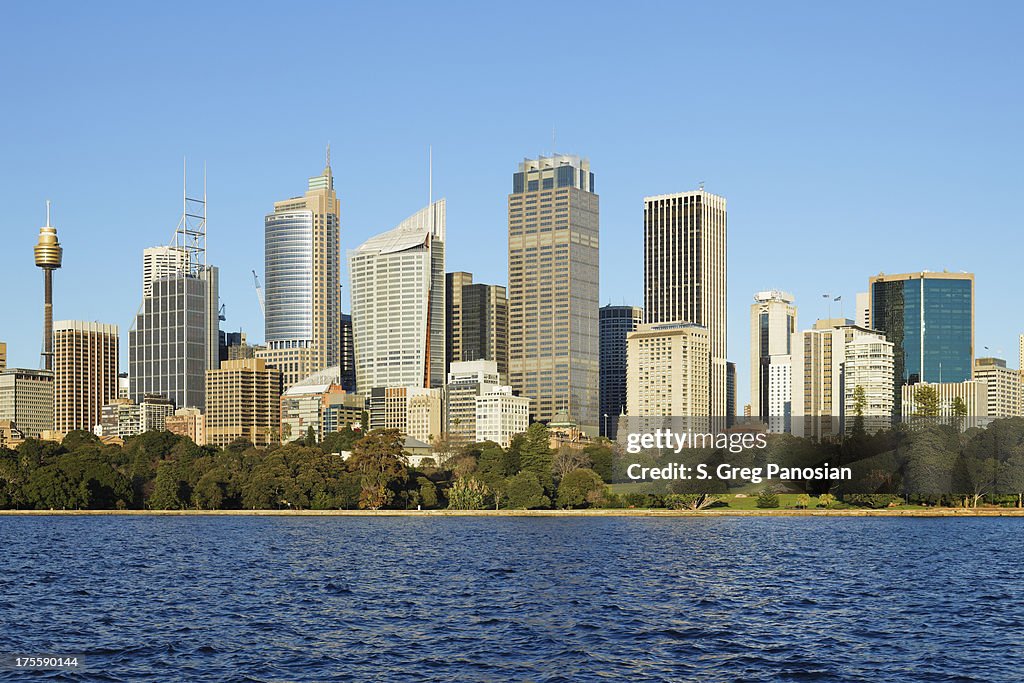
x: 929, y: 318
x: 616, y: 323
x: 288, y: 283
x: 175, y: 340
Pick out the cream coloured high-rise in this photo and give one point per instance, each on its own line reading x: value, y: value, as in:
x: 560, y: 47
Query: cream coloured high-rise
x: 85, y: 367
x: 685, y: 273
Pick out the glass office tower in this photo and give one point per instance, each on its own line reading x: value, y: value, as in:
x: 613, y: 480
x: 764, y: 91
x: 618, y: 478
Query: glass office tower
x: 929, y: 318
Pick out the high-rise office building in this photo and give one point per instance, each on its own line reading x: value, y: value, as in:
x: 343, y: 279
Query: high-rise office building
x: 453, y: 286
x: 26, y: 399
x: 176, y: 335
x: 243, y: 401
x: 302, y: 281
x: 85, y: 369
x: 553, y: 241
x: 3, y: 356
x: 929, y: 318
x: 347, y: 364
x: 685, y: 272
x: 730, y: 394
x: 829, y: 362
x: 667, y: 371
x: 477, y: 321
x: 1004, y: 387
x: 161, y: 262
x: 398, y: 304
x: 616, y: 323
x: 772, y: 327
x: 176, y: 339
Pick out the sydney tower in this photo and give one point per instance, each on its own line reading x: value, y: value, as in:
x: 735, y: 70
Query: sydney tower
x: 48, y: 257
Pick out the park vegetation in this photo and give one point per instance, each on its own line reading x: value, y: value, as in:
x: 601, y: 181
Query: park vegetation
x: 930, y: 464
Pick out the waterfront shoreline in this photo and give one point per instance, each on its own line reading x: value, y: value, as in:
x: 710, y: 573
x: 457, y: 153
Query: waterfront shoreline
x: 628, y: 512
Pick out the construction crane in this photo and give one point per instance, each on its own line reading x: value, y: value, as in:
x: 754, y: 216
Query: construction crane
x: 221, y: 314
x: 259, y: 293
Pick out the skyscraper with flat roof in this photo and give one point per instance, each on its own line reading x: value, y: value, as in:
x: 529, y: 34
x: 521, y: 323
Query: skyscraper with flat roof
x: 553, y: 246
x: 772, y: 327
x: 685, y: 273
x: 398, y: 304
x: 26, y: 399
x: 302, y: 281
x: 85, y: 369
x: 929, y: 318
x: 616, y: 324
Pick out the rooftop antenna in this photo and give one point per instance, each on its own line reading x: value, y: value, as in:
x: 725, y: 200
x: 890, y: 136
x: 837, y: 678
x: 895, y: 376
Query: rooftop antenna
x: 328, y: 154
x: 553, y: 146
x: 430, y: 179
x: 701, y: 186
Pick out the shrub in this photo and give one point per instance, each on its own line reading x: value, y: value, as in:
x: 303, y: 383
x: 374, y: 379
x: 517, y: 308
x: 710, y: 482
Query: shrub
x: 874, y: 501
x: 767, y: 499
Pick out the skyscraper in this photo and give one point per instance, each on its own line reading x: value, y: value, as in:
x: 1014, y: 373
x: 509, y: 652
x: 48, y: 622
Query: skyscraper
x: 302, y: 280
x: 1004, y: 387
x: 466, y: 381
x: 398, y: 304
x: 348, y: 355
x: 453, y: 285
x: 176, y: 335
x: 85, y: 368
x: 616, y: 323
x: 477, y: 321
x: 685, y: 272
x: 772, y: 326
x: 3, y: 355
x: 553, y: 240
x: 929, y: 318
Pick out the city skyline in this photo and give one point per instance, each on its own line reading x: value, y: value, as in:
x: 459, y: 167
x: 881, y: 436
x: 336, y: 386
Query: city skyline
x: 855, y: 137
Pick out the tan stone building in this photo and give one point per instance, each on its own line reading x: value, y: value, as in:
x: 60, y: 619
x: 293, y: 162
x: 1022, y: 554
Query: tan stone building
x: 188, y: 422
x: 1004, y: 387
x: 26, y: 399
x: 243, y: 401
x: 667, y: 370
x: 85, y: 368
x: 685, y: 274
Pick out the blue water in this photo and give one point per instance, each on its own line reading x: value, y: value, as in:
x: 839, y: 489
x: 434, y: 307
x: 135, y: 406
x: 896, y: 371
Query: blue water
x: 527, y: 599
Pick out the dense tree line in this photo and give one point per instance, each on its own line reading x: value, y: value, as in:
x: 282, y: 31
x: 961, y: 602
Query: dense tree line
x: 159, y: 470
x: 929, y: 463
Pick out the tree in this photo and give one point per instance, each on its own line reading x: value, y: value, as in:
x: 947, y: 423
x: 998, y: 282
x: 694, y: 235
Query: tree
x: 860, y: 403
x: 803, y: 501
x: 310, y: 440
x: 535, y: 454
x: 567, y: 459
x: 926, y: 401
x: 378, y: 458
x: 959, y: 410
x: 525, y: 492
x: 577, y: 488
x: 826, y: 500
x: 602, y: 459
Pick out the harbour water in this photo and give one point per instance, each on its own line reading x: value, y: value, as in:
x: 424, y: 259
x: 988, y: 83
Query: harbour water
x: 229, y: 598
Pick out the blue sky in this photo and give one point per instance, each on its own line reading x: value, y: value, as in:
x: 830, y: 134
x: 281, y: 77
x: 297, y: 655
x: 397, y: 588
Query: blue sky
x: 848, y: 140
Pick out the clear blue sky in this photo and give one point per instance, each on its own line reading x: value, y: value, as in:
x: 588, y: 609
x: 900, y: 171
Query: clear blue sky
x: 848, y: 140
